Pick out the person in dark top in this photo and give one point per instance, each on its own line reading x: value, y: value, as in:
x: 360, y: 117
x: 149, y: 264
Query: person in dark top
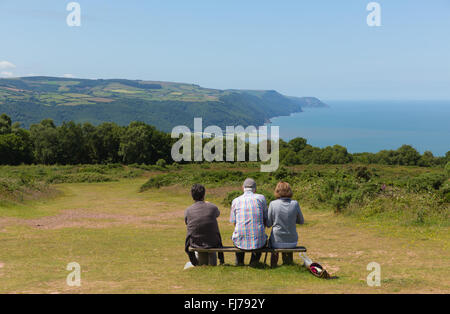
x: 202, y: 228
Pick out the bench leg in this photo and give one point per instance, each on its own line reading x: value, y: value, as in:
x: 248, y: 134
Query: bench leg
x: 274, y: 260
x: 240, y: 259
x: 255, y: 258
x: 288, y: 258
x: 205, y: 259
x: 212, y: 259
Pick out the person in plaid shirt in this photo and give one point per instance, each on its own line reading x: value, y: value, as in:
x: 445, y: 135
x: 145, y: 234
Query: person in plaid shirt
x: 249, y: 215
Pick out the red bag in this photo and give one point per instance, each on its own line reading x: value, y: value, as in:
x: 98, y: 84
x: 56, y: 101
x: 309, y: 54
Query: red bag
x: 318, y: 271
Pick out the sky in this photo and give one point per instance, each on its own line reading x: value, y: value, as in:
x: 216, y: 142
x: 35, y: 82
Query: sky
x: 321, y: 48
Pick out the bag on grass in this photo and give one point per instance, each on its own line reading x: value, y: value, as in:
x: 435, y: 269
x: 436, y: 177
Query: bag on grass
x: 318, y: 271
x: 315, y: 268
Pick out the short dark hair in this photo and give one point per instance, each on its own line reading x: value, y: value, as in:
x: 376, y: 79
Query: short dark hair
x: 198, y: 192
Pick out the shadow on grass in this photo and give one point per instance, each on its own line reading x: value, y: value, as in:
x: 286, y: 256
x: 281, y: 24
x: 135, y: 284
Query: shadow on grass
x: 281, y: 269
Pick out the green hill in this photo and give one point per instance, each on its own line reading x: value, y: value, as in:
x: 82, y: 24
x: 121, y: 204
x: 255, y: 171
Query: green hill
x: 28, y: 100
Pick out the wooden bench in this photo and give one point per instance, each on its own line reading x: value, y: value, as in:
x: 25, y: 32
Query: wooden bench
x: 203, y: 258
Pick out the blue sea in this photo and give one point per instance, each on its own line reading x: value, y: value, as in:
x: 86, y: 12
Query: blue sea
x: 371, y: 126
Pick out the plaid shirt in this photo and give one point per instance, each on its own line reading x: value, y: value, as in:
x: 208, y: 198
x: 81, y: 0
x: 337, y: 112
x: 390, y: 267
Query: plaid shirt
x: 249, y: 213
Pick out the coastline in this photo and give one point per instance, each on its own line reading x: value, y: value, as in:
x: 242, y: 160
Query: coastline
x: 372, y: 126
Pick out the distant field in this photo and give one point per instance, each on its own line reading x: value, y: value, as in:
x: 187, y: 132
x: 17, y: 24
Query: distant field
x: 65, y: 96
x: 128, y: 241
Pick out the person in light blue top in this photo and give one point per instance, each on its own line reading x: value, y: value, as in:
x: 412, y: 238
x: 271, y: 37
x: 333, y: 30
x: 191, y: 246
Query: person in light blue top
x: 283, y: 216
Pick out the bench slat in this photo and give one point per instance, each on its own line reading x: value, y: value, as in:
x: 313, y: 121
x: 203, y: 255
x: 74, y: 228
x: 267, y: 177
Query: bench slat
x: 231, y: 249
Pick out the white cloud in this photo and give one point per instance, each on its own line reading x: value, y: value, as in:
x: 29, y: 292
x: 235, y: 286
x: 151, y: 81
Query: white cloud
x: 6, y: 65
x: 6, y: 74
x: 68, y: 75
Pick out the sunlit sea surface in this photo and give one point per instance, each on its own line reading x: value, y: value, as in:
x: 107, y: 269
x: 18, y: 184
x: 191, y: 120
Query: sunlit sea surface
x: 371, y: 126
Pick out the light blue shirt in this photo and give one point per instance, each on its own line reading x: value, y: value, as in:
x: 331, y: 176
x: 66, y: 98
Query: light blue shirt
x: 283, y: 215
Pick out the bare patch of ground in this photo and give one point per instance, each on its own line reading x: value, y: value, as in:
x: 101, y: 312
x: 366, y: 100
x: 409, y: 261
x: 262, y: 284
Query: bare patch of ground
x: 5, y: 222
x: 86, y: 219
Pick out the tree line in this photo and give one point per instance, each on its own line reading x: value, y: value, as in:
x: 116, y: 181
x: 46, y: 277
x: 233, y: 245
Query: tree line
x: 75, y: 143
x: 297, y: 151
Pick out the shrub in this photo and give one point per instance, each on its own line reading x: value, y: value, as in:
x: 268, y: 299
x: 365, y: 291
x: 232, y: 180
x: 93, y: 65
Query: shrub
x: 132, y: 173
x: 363, y: 173
x: 205, y: 166
x: 365, y: 191
x: 268, y: 195
x: 157, y: 182
x: 161, y: 163
x: 93, y: 168
x: 87, y: 177
x: 91, y: 178
x: 445, y: 192
x: 420, y: 216
x: 214, y: 177
x: 340, y: 201
x: 426, y: 182
x: 232, y: 195
x: 282, y: 174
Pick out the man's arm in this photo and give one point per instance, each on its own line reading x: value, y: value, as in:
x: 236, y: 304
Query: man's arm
x: 270, y: 216
x: 218, y: 213
x: 233, y: 213
x: 300, y: 219
x: 265, y: 213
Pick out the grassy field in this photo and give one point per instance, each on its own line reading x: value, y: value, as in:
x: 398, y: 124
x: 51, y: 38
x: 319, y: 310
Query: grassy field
x: 127, y: 241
